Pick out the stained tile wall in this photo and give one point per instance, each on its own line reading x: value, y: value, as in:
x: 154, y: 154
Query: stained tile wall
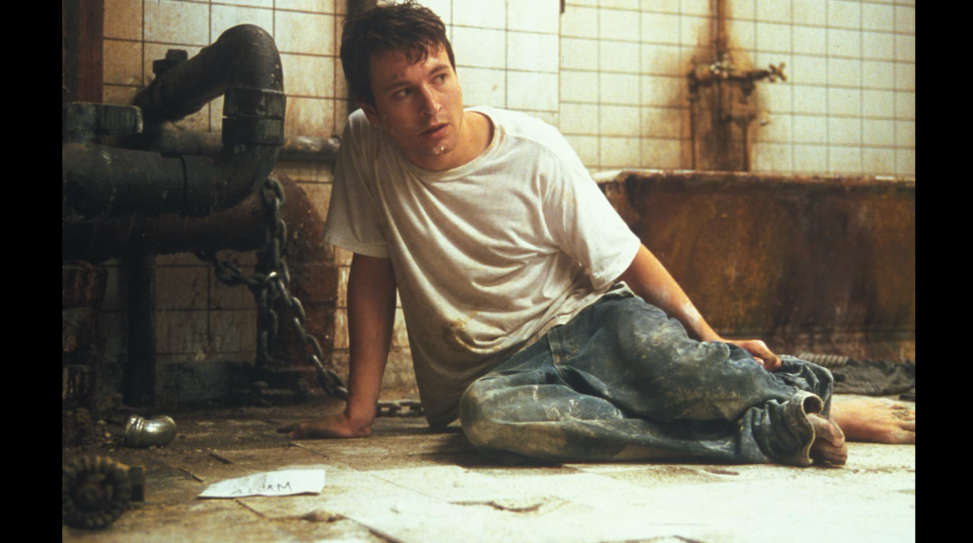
x: 200, y: 319
x: 848, y: 106
x: 611, y: 74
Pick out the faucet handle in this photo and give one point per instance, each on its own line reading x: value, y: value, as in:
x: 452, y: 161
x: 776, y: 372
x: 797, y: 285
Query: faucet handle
x: 777, y: 72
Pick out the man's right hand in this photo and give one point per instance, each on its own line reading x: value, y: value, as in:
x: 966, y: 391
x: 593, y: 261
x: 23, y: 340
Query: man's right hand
x: 335, y: 426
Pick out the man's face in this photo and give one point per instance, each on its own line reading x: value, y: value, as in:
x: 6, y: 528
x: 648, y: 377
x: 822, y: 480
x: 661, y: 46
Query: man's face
x: 419, y: 105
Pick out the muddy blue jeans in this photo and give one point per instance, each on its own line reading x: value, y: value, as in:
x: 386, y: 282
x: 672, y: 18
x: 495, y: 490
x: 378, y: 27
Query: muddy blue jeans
x: 621, y: 381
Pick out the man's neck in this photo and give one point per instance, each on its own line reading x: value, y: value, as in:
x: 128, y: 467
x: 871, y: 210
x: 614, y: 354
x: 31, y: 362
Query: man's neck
x: 475, y: 136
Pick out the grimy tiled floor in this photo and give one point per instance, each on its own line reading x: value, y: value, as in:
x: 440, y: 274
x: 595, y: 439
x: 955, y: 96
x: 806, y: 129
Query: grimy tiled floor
x: 406, y: 483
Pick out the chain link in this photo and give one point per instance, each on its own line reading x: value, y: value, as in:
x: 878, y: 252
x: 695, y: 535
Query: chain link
x: 273, y: 286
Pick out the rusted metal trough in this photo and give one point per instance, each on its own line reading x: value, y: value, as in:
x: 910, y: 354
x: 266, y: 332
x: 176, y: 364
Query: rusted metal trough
x: 807, y: 263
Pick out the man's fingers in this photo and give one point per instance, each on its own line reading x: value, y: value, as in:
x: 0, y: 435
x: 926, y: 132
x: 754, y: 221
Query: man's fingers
x: 762, y: 354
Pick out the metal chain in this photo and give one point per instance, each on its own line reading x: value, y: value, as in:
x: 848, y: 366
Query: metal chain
x: 268, y: 288
x: 400, y: 408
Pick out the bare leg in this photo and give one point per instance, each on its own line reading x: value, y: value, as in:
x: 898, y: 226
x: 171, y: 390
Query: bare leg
x: 875, y: 420
x: 829, y: 442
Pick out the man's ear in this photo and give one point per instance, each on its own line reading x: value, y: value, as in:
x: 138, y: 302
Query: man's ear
x: 370, y: 112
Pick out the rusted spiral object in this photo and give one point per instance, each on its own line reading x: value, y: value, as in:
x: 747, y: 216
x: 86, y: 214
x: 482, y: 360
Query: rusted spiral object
x: 94, y: 492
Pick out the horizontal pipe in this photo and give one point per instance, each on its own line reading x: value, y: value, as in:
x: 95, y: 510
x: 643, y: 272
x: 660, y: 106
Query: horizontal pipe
x: 98, y: 181
x: 169, y: 142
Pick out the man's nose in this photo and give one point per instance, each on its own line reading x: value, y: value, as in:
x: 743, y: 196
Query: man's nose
x: 430, y: 102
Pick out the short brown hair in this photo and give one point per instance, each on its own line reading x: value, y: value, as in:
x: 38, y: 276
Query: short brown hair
x: 407, y: 28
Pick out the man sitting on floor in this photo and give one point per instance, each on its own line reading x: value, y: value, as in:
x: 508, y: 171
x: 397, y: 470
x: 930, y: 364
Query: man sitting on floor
x: 534, y: 314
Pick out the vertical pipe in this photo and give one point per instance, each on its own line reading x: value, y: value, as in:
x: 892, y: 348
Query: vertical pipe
x: 82, y: 23
x: 138, y: 375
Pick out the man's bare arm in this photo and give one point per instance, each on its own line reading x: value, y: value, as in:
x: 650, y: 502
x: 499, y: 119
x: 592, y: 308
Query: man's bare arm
x: 649, y: 279
x: 371, y: 315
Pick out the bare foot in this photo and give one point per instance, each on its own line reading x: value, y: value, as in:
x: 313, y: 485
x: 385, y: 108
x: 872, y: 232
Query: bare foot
x: 875, y: 420
x: 829, y: 442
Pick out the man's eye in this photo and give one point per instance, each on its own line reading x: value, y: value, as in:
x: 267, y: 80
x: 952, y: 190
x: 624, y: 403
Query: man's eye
x: 440, y: 78
x: 403, y: 93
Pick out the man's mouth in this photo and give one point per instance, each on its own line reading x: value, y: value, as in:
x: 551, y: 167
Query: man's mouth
x: 436, y: 130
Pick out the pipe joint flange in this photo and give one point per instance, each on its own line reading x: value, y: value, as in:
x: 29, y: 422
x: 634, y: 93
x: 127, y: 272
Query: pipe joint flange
x: 248, y: 130
x: 254, y: 102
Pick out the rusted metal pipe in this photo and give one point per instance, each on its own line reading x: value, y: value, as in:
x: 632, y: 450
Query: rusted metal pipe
x: 98, y: 181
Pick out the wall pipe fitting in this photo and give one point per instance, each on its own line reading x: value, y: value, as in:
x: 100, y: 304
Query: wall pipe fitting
x: 98, y: 181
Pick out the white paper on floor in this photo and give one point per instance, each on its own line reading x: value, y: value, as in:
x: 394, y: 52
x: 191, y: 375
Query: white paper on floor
x: 272, y: 483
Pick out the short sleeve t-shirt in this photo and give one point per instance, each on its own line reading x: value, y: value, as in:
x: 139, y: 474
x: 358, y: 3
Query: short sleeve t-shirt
x: 488, y: 256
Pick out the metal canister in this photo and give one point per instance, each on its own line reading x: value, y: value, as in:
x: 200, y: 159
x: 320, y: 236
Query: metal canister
x: 141, y: 432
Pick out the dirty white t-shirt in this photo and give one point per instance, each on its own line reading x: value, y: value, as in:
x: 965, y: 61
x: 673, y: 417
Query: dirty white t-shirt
x: 488, y: 256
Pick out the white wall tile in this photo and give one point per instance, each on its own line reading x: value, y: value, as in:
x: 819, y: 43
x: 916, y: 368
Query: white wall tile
x: 310, y: 33
x: 580, y: 22
x: 662, y: 154
x: 662, y: 6
x: 306, y: 75
x: 579, y: 54
x: 481, y: 13
x: 661, y: 60
x: 878, y: 45
x: 619, y: 152
x: 773, y: 11
x: 845, y: 72
x: 810, y: 40
x: 878, y: 17
x: 879, y: 133
x: 844, y: 101
x: 809, y: 12
x: 842, y: 14
x: 878, y: 75
x: 810, y: 99
x: 905, y: 48
x: 480, y: 48
x: 844, y: 131
x: 878, y: 103
x: 773, y: 37
x: 483, y: 86
x: 905, y: 162
x: 577, y: 87
x: 845, y: 160
x: 123, y: 19
x: 663, y: 91
x: 587, y: 148
x: 533, y: 52
x: 660, y: 28
x: 810, y: 129
x: 878, y: 161
x: 905, y: 19
x: 532, y: 91
x: 661, y: 122
x: 316, y: 6
x: 226, y: 17
x: 619, y: 25
x: 620, y: 121
x: 620, y: 89
x: 810, y: 158
x: 177, y: 22
x: 534, y: 16
x: 442, y: 8
x: 580, y: 119
x: 620, y: 57
x: 844, y: 43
